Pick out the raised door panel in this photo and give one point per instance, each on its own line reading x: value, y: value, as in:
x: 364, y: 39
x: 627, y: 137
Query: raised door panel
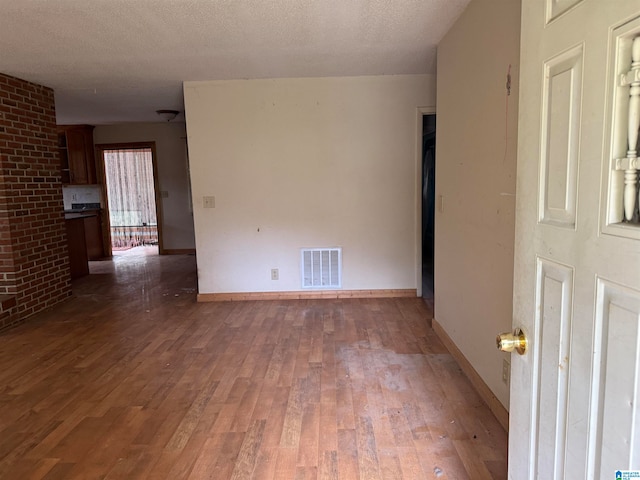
x: 616, y: 422
x: 560, y: 139
x: 555, y: 8
x: 554, y: 292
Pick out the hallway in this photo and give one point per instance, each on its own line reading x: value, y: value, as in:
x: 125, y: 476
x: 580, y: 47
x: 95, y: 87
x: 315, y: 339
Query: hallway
x: 133, y: 379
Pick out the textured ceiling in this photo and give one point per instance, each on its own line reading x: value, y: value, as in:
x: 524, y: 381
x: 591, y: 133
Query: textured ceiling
x: 115, y: 61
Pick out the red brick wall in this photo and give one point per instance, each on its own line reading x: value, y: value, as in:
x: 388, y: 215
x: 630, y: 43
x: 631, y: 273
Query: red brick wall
x: 34, y: 263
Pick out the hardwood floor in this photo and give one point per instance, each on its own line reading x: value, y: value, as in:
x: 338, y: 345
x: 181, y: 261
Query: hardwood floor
x: 133, y: 379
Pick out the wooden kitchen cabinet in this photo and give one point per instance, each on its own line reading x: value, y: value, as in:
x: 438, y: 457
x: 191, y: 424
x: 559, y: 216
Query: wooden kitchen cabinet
x: 93, y: 236
x: 78, y: 262
x: 84, y: 237
x: 77, y: 155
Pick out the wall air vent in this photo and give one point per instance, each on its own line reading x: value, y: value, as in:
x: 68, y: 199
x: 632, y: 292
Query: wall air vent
x: 321, y: 267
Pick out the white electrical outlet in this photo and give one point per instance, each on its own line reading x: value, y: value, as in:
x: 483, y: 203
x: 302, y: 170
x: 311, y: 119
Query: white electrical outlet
x: 209, y: 202
x: 275, y: 275
x: 506, y: 372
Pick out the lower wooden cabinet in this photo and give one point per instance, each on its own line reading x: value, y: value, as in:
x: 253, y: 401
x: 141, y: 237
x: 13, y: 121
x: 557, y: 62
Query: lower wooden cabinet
x: 93, y: 236
x: 84, y: 239
x: 78, y: 261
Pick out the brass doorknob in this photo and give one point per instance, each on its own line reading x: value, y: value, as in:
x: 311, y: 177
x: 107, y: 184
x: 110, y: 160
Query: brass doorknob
x: 508, y: 342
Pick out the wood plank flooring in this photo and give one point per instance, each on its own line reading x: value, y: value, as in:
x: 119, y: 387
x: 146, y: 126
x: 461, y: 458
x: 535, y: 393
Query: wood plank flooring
x: 132, y: 379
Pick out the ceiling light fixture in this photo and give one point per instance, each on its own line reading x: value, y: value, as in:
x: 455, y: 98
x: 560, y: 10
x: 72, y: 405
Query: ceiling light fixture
x: 168, y: 115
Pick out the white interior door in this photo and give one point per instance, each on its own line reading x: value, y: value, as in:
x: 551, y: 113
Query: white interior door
x: 575, y: 394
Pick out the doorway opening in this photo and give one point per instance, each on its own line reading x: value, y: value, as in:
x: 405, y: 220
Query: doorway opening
x: 428, y: 203
x: 133, y: 207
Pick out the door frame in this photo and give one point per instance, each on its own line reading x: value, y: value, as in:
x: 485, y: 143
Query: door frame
x: 100, y: 149
x: 420, y: 112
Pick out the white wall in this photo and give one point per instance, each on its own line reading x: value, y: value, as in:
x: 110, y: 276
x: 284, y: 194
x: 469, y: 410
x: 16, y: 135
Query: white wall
x: 313, y: 162
x: 475, y: 175
x: 173, y: 175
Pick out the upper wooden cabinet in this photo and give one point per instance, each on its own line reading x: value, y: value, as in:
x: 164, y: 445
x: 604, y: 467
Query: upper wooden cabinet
x: 77, y: 157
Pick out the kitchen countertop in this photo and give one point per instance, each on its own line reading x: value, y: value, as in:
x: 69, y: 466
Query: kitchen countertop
x: 71, y: 214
